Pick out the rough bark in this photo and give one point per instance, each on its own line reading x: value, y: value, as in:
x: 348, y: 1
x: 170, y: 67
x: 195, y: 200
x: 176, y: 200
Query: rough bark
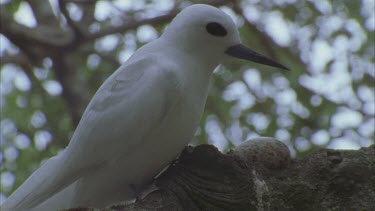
x: 260, y: 175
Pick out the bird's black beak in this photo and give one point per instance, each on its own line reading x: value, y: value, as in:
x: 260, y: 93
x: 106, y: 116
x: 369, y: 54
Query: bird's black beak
x: 242, y: 52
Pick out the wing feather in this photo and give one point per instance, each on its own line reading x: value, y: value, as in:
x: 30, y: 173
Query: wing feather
x: 126, y: 107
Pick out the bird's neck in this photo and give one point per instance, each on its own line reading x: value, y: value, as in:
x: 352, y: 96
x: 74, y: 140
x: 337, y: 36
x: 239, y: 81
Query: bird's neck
x: 204, y: 57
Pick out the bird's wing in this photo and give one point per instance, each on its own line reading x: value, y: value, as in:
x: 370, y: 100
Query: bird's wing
x: 128, y: 106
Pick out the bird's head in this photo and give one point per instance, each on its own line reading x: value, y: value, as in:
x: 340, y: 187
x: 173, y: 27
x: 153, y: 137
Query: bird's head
x: 208, y: 32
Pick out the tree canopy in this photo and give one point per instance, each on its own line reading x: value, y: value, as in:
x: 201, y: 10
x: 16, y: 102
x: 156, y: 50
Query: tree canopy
x: 55, y: 54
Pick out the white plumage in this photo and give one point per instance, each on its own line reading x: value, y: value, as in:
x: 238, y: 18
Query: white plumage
x: 139, y: 120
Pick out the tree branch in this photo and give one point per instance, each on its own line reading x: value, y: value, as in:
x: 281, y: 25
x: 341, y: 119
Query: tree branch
x: 23, y: 36
x: 260, y: 175
x: 43, y: 13
x: 131, y: 25
x: 19, y: 59
x: 77, y: 31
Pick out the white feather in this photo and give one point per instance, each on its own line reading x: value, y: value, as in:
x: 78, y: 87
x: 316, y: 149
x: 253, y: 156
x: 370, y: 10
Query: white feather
x: 137, y: 122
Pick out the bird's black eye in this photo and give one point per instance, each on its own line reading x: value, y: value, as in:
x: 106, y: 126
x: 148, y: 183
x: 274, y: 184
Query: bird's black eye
x: 216, y: 29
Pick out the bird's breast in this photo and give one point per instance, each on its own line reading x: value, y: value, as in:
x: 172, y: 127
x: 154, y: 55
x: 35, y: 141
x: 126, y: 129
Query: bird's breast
x: 158, y: 147
x: 177, y: 128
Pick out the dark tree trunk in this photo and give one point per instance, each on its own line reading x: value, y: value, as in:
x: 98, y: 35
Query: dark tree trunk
x: 260, y: 175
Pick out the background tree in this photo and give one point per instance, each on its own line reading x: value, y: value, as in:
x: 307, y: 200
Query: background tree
x: 55, y: 54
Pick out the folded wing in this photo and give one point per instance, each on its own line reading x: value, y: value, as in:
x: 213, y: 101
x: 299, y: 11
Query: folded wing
x: 130, y: 104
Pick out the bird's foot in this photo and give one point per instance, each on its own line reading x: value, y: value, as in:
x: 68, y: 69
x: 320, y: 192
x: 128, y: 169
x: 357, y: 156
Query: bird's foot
x: 141, y: 193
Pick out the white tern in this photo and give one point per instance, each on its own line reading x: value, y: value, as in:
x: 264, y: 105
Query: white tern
x: 140, y: 118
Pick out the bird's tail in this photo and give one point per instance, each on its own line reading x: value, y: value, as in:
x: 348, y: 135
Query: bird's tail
x: 42, y: 184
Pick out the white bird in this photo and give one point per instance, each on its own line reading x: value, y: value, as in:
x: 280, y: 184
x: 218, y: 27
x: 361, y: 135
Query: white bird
x: 140, y: 118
